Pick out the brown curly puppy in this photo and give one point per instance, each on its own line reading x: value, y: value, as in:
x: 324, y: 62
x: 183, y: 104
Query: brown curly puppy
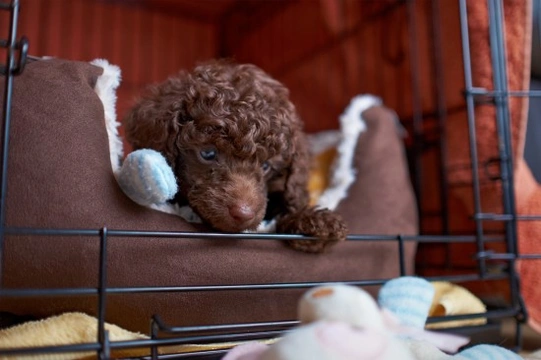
x: 236, y: 146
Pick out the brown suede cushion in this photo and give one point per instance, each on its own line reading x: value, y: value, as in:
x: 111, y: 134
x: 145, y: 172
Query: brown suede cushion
x: 60, y: 177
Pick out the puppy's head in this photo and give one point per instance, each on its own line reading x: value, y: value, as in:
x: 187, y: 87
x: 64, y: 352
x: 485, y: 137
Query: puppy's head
x: 230, y: 134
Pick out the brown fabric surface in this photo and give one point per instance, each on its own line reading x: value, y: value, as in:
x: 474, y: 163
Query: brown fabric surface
x: 60, y: 177
x: 382, y: 185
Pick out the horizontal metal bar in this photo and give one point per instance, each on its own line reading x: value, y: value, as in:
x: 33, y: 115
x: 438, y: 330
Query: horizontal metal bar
x: 237, y: 236
x: 18, y: 231
x: 117, y: 345
x: 50, y: 349
x: 179, y: 234
x: 491, y: 314
x: 475, y: 91
x: 454, y: 238
x: 34, y: 292
x: 160, y: 289
x: 229, y: 327
x: 468, y: 277
x: 529, y: 256
x: 506, y: 217
x: 207, y: 354
x: 200, y: 288
x: 202, y: 339
x: 491, y: 255
x: 6, y: 6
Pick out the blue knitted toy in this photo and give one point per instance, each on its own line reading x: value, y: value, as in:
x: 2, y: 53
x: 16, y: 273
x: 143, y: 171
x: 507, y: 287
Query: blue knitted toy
x: 146, y: 177
x: 409, y: 299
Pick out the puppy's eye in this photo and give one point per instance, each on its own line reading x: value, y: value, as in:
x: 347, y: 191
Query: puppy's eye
x: 266, y: 166
x: 208, y: 154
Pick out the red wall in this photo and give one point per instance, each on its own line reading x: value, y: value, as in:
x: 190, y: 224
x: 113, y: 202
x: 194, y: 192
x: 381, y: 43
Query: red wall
x: 148, y: 45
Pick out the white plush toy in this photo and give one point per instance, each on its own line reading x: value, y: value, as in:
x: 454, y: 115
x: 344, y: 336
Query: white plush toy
x: 340, y: 322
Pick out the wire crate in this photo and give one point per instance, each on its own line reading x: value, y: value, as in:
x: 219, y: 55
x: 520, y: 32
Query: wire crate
x: 491, y: 265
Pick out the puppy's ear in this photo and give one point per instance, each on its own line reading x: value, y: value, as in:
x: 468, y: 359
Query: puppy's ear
x: 154, y: 121
x: 296, y: 194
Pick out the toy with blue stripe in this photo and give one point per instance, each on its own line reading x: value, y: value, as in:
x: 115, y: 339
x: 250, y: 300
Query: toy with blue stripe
x: 146, y: 178
x: 409, y: 299
x: 488, y: 352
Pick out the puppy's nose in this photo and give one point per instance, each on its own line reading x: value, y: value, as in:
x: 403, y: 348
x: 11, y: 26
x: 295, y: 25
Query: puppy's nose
x: 241, y: 212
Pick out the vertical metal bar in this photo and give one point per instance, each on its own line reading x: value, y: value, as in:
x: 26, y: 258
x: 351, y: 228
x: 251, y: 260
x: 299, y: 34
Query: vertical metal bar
x: 416, y: 101
x: 6, y: 122
x: 402, y: 260
x: 503, y: 118
x: 105, y: 353
x: 503, y: 121
x: 470, y: 105
x: 102, y: 295
x: 154, y: 328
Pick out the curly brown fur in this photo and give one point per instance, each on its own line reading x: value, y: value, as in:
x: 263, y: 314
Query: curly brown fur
x: 236, y: 146
x: 324, y: 224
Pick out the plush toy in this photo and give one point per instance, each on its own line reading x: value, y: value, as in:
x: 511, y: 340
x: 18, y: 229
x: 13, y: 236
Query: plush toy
x: 340, y: 322
x: 146, y: 178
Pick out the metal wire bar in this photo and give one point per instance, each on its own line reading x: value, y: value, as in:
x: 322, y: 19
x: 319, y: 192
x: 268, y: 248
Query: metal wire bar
x: 131, y: 344
x: 35, y: 292
x: 475, y: 91
x: 161, y: 326
x: 503, y: 117
x: 6, y: 120
x: 240, y: 236
x: 470, y: 105
x: 507, y: 217
x: 491, y: 314
x: 105, y: 350
x: 50, y: 349
x: 503, y: 120
x: 230, y: 337
x: 102, y: 295
x: 528, y: 256
x: 206, y: 355
x: 401, y: 257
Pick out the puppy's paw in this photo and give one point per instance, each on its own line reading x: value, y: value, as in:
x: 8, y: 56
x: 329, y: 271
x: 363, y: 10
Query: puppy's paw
x: 324, y: 224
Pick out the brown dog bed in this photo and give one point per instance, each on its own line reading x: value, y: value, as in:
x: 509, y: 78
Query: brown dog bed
x: 60, y: 177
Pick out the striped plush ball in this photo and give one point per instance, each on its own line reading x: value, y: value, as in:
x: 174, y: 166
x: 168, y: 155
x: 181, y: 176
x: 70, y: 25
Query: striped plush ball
x: 409, y: 298
x: 489, y: 352
x: 146, y: 178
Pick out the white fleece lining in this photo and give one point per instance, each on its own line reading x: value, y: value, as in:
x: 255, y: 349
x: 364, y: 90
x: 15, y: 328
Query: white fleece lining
x: 106, y: 86
x: 352, y: 125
